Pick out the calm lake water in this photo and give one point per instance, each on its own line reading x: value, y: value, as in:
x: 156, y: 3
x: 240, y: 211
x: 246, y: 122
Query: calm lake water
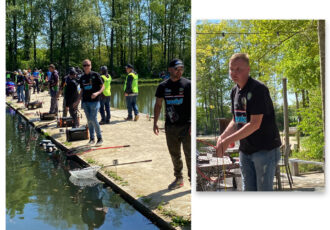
x: 145, y: 100
x: 39, y: 194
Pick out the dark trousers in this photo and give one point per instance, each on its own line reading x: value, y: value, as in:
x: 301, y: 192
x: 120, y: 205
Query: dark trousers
x: 27, y: 95
x: 105, y: 108
x: 175, y: 135
x: 73, y: 110
x: 36, y: 86
x: 65, y: 111
x: 53, y: 101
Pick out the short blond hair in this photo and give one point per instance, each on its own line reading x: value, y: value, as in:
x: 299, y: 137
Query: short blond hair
x: 87, y: 60
x: 240, y: 56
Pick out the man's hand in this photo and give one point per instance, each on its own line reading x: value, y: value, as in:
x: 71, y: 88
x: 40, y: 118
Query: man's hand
x: 156, y: 129
x: 94, y: 95
x: 125, y: 94
x: 222, y: 146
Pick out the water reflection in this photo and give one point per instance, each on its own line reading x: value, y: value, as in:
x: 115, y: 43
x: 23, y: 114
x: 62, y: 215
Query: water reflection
x: 145, y: 101
x: 39, y: 194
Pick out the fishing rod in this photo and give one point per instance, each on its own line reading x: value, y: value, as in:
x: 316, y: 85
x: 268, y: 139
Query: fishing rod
x: 127, y: 163
x: 69, y: 153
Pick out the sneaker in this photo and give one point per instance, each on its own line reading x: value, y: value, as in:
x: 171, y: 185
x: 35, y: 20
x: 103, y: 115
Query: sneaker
x: 107, y: 122
x: 136, y: 117
x: 128, y: 119
x: 91, y: 141
x: 99, y: 142
x: 102, y: 122
x: 177, y: 183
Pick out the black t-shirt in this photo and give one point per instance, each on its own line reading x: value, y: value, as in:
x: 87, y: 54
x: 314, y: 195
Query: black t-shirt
x: 90, y: 83
x: 20, y: 80
x: 71, y: 90
x: 255, y: 99
x: 63, y: 79
x: 177, y: 97
x: 53, y: 79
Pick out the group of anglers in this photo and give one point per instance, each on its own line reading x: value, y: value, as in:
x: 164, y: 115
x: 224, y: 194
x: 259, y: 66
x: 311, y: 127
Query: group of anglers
x: 92, y: 88
x: 25, y: 80
x: 94, y: 91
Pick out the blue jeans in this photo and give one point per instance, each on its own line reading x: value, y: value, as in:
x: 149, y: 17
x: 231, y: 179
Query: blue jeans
x: 258, y: 169
x: 91, y: 109
x: 131, y: 105
x: 105, y: 105
x: 20, y: 94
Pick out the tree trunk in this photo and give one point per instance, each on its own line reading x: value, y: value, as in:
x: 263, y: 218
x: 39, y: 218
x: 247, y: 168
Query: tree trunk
x: 112, y: 34
x: 34, y: 49
x: 15, y: 37
x: 165, y: 34
x: 51, y: 34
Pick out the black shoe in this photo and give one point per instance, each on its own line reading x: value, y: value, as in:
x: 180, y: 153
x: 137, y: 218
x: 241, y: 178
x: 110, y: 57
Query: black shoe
x: 177, y: 183
x: 128, y: 119
x: 102, y: 122
x: 107, y: 122
x: 91, y: 142
x: 99, y: 142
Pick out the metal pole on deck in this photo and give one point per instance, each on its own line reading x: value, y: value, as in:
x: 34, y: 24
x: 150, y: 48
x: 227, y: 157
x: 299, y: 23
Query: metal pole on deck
x: 285, y: 113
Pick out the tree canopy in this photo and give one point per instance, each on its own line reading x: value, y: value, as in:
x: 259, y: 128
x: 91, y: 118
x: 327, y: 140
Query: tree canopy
x: 145, y: 33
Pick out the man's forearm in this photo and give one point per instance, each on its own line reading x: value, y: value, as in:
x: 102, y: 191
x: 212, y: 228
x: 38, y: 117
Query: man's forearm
x: 101, y: 90
x: 242, y: 133
x: 157, y: 110
x: 231, y: 128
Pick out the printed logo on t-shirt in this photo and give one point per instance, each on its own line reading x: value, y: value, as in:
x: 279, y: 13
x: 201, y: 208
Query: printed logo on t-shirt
x: 87, y: 86
x: 172, y: 114
x: 240, y: 111
x: 175, y: 101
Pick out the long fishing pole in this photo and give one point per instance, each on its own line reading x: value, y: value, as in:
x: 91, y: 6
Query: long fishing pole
x: 128, y: 163
x: 91, y: 149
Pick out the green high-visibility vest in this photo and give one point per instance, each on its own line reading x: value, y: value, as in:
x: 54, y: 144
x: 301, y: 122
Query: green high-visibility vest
x: 135, y: 88
x: 107, y: 86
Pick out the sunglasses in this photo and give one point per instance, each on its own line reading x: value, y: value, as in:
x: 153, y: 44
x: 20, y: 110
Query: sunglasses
x: 85, y: 65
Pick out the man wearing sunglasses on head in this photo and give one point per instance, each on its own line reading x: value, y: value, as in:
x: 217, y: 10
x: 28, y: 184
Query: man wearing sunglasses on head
x: 91, y: 85
x: 176, y: 91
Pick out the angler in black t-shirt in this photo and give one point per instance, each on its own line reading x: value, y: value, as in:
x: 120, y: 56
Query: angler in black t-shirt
x: 70, y: 86
x: 20, y: 87
x: 176, y: 92
x: 254, y: 125
x: 91, y: 86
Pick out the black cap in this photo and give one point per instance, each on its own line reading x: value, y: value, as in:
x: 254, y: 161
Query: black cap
x: 176, y: 63
x: 72, y: 71
x: 104, y: 68
x: 129, y: 66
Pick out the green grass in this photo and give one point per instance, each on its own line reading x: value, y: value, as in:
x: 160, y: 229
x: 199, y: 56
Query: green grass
x: 176, y: 220
x: 114, y: 176
x: 67, y: 143
x: 146, y: 200
x: 90, y: 161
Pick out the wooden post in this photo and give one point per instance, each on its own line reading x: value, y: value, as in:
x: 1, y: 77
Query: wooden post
x: 285, y: 113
